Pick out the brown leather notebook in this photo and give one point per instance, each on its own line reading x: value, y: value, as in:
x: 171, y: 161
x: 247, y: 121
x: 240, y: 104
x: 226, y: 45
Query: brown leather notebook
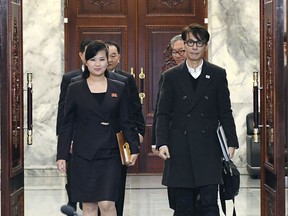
x: 124, y: 149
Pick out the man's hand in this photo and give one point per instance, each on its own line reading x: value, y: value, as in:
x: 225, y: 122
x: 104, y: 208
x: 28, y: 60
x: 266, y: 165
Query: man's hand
x: 61, y: 166
x: 141, y: 138
x: 164, y: 152
x: 155, y: 151
x: 231, y: 152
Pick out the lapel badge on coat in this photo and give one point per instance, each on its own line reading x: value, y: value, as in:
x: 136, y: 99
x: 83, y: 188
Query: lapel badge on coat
x: 114, y: 95
x: 207, y: 76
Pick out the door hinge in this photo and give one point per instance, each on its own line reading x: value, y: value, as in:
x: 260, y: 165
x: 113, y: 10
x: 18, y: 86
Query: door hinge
x: 65, y: 20
x: 206, y: 20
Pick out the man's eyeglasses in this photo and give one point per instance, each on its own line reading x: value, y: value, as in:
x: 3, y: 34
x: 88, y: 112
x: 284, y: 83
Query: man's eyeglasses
x: 191, y: 43
x: 180, y: 52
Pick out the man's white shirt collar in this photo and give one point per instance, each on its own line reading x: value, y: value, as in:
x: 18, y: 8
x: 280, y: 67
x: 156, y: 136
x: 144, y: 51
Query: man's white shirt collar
x: 195, y: 72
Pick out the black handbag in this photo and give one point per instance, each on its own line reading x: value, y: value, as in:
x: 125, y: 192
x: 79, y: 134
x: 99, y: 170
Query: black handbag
x: 231, y: 184
x: 230, y: 174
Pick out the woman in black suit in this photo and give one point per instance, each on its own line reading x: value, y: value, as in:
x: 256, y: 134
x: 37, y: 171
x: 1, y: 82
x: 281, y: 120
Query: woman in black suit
x: 96, y: 108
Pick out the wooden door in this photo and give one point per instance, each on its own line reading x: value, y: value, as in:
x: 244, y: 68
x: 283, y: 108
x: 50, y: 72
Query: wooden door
x: 11, y: 82
x: 272, y: 108
x: 158, y: 22
x: 143, y: 29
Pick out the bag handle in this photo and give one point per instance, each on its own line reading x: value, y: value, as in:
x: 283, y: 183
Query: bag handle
x: 223, y: 206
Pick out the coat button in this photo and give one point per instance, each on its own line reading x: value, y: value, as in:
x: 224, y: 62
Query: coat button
x: 185, y: 132
x: 203, y: 131
x: 188, y: 115
x: 202, y: 115
x: 206, y: 97
x: 184, y: 97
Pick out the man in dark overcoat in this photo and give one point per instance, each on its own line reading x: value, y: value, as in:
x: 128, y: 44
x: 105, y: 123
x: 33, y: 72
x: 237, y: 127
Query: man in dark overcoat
x: 66, y: 80
x: 194, y: 98
x: 135, y: 110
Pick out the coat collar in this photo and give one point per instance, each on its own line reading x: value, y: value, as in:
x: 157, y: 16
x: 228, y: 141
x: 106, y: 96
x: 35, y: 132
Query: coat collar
x: 203, y: 83
x: 93, y: 105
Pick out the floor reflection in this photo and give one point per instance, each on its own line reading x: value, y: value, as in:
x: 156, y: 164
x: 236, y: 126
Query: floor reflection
x: 145, y: 196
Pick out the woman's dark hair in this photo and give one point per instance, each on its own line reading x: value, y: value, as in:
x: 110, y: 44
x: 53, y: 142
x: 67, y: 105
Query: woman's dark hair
x: 198, y: 31
x: 92, y: 49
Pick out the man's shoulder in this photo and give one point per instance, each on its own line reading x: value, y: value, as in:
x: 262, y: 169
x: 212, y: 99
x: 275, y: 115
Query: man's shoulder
x: 72, y: 73
x: 124, y: 73
x: 174, y: 70
x: 212, y: 66
x: 117, y: 76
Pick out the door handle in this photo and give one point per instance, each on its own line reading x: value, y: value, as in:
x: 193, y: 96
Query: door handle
x: 141, y: 92
x: 256, y: 130
x: 29, y: 108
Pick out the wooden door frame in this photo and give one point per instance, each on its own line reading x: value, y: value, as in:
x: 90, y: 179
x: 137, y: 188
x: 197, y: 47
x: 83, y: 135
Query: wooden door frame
x: 272, y: 108
x: 11, y: 79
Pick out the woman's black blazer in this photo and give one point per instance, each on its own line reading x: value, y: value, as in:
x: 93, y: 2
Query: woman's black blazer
x: 92, y: 125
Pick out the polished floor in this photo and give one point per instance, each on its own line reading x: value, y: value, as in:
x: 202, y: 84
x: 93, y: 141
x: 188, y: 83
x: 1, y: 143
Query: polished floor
x: 145, y: 196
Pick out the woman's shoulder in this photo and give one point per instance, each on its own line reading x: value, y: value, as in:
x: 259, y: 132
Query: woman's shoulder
x: 116, y: 83
x: 77, y: 86
x: 116, y: 86
x: 78, y: 83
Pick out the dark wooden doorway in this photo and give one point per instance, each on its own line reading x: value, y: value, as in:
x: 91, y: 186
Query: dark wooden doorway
x: 273, y: 117
x: 11, y: 83
x: 142, y: 28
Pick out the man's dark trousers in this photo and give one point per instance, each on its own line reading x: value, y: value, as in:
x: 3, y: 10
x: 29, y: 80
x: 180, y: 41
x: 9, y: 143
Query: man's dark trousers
x: 120, y: 203
x: 68, y: 186
x: 188, y: 203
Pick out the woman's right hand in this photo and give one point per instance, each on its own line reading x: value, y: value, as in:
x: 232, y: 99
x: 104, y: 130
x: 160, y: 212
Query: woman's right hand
x: 61, y: 166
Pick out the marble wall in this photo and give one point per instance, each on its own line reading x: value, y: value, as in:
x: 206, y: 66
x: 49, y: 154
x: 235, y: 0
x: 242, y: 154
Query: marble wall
x: 43, y: 48
x: 234, y: 28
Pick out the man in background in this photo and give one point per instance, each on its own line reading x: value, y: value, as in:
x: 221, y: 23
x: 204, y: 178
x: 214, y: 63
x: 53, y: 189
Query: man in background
x: 136, y: 108
x: 176, y: 55
x: 66, y: 80
x: 136, y: 111
x: 177, y: 49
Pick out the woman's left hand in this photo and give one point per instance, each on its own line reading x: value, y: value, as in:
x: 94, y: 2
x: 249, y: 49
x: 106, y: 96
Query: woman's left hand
x: 133, y: 159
